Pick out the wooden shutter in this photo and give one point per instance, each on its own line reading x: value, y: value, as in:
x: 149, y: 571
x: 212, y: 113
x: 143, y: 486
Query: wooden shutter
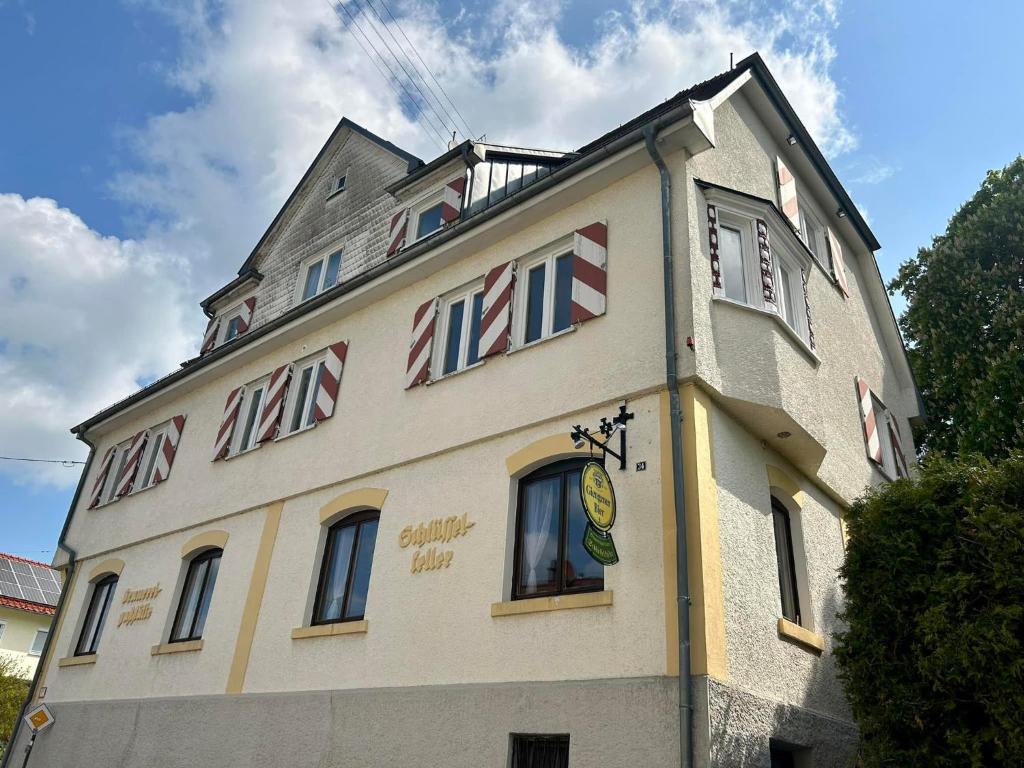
x: 496, y: 313
x: 227, y: 423
x: 245, y: 320
x: 101, y: 477
x: 716, y: 263
x: 131, y: 465
x: 168, y: 448
x: 273, y: 403
x: 897, y: 447
x: 838, y: 265
x: 451, y: 203
x: 589, y: 273
x: 787, y: 194
x: 869, y: 421
x: 327, y: 390
x: 417, y: 369
x: 397, y: 231
x: 210, y: 336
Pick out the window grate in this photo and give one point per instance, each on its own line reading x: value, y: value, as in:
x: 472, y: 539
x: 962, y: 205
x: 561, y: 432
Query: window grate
x: 540, y: 750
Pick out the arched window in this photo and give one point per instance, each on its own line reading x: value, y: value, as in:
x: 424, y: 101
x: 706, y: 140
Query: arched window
x: 345, y: 569
x: 196, y: 593
x: 786, y: 562
x: 96, y: 615
x: 550, y: 524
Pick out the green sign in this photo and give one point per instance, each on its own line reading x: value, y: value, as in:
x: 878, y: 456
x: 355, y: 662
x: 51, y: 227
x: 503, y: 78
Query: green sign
x: 598, y: 497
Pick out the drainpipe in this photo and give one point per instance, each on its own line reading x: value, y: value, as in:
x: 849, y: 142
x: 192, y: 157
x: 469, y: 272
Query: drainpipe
x: 675, y: 419
x: 69, y: 575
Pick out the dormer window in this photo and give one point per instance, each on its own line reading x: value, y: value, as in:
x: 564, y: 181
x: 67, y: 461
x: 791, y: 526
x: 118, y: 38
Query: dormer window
x: 320, y: 274
x: 233, y: 328
x: 428, y: 217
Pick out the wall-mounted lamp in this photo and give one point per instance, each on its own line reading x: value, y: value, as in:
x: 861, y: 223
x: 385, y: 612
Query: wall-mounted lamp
x: 791, y: 140
x: 841, y: 213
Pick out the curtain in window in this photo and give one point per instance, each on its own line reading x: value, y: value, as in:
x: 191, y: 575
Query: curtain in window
x: 540, y: 535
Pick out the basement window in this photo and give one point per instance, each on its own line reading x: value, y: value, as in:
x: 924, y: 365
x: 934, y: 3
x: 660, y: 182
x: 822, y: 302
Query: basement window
x: 539, y: 750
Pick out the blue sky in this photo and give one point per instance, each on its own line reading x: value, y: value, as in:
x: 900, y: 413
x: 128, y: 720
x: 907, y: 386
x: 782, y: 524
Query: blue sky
x: 153, y: 144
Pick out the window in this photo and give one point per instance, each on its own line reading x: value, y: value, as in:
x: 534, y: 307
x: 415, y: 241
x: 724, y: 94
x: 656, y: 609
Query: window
x: 543, y: 297
x: 302, y: 395
x: 550, y: 558
x: 460, y: 316
x: 730, y: 251
x: 252, y: 407
x: 154, y: 445
x: 3, y: 626
x: 539, y: 751
x: 38, y: 642
x: 233, y: 328
x: 812, y: 232
x: 887, y: 438
x: 321, y: 274
x: 428, y: 220
x: 96, y: 615
x: 789, y: 291
x: 340, y: 185
x: 787, y: 756
x: 196, y: 592
x: 345, y: 570
x: 492, y: 181
x: 786, y: 562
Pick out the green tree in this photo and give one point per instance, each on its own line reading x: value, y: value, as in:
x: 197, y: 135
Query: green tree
x: 13, y: 690
x: 965, y: 322
x: 933, y: 655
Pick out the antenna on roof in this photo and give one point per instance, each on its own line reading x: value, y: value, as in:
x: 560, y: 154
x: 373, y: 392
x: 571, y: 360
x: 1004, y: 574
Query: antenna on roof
x: 730, y: 59
x: 453, y: 143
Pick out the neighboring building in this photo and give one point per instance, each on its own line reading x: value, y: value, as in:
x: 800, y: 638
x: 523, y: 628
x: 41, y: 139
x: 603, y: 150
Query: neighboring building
x: 350, y: 532
x: 28, y: 593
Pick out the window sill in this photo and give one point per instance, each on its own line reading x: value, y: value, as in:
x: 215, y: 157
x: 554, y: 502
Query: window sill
x: 801, y: 636
x: 182, y: 647
x: 802, y: 345
x: 335, y: 194
x: 247, y: 451
x: 299, y: 431
x: 477, y: 364
x: 77, y: 661
x: 532, y: 344
x: 330, y: 630
x: 556, y: 603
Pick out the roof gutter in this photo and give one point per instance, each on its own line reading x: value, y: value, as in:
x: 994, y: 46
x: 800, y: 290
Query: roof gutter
x: 48, y: 644
x: 573, y: 167
x: 650, y: 132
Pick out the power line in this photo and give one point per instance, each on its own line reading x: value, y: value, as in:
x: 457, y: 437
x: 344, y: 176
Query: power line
x: 394, y: 78
x: 470, y: 133
x: 62, y: 462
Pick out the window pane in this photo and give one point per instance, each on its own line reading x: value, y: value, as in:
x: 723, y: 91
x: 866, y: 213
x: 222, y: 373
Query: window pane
x: 234, y: 324
x: 786, y: 294
x: 515, y: 177
x: 311, y: 408
x: 251, y: 417
x: 99, y: 603
x: 429, y: 221
x: 730, y: 254
x: 529, y: 174
x: 473, y: 354
x: 207, y: 596
x: 451, y: 348
x: 784, y: 555
x: 535, y: 303
x: 38, y: 642
x: 155, y: 446
x: 338, y: 554
x: 312, y: 280
x: 333, y: 267
x: 189, y: 599
x: 563, y: 292
x: 361, y: 573
x: 481, y: 186
x: 539, y: 525
x: 300, y: 398
x: 498, y: 177
x: 581, y: 570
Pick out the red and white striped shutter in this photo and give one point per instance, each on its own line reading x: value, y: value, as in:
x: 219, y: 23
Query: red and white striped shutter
x: 273, y: 403
x: 589, y: 273
x: 451, y: 203
x: 787, y: 194
x: 245, y: 320
x: 131, y: 464
x: 496, y: 313
x: 327, y: 391
x: 227, y: 423
x: 716, y: 263
x: 868, y: 419
x: 764, y: 253
x: 838, y: 265
x: 210, y: 337
x: 897, y: 447
x: 417, y: 369
x: 101, y: 477
x: 396, y: 232
x: 168, y: 448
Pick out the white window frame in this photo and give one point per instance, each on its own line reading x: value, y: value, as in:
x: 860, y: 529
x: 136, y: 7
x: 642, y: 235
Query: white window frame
x: 795, y: 288
x: 32, y: 648
x: 335, y: 189
x: 465, y: 294
x: 747, y: 227
x: 3, y: 628
x: 253, y: 390
x: 883, y: 419
x: 520, y: 297
x: 812, y: 232
x: 314, y: 361
x: 425, y: 203
x: 147, y: 464
x: 116, y: 465
x: 305, y: 265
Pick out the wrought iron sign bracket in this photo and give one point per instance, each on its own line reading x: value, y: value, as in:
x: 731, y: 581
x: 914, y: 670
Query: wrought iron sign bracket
x: 581, y: 436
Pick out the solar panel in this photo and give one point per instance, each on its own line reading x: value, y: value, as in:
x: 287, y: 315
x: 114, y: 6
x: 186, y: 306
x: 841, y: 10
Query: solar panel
x: 26, y: 581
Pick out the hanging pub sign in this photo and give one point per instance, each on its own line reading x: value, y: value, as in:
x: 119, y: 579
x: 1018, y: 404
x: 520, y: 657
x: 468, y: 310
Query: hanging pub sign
x: 598, y: 496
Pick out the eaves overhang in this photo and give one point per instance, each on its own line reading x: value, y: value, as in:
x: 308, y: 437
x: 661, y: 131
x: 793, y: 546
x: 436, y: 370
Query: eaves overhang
x: 248, y: 277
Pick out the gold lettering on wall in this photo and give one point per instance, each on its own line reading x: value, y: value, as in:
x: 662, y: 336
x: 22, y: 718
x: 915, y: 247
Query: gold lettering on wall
x: 142, y: 609
x: 440, y: 530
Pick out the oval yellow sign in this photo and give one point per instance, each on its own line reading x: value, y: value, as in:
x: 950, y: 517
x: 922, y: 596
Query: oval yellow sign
x: 598, y: 496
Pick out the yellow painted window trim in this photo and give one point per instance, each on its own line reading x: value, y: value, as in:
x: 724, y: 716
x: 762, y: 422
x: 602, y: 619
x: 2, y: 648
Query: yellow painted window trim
x: 556, y: 603
x: 188, y: 645
x: 113, y: 565
x: 77, y: 661
x: 205, y: 540
x: 330, y: 630
x: 801, y: 635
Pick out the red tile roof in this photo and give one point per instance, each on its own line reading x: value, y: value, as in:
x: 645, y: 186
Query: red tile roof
x: 5, y: 556
x: 25, y: 605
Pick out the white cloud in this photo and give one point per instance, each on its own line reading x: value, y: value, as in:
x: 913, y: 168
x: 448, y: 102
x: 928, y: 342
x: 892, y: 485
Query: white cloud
x: 268, y: 82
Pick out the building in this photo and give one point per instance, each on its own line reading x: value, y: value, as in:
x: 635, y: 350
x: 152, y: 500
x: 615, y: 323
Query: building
x: 28, y: 593
x: 350, y: 531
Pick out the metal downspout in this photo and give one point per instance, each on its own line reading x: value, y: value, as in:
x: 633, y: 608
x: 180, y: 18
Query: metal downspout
x: 675, y: 419
x: 69, y: 575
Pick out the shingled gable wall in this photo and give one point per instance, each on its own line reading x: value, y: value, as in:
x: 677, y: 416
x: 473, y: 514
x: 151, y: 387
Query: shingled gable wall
x: 356, y: 219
